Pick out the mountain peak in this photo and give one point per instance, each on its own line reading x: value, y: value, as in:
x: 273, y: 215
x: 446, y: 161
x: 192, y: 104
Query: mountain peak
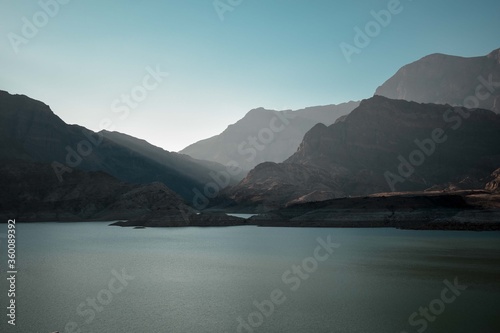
x: 355, y: 157
x: 437, y: 56
x: 495, y: 54
x: 280, y: 132
x: 23, y: 102
x: 257, y: 111
x: 444, y: 79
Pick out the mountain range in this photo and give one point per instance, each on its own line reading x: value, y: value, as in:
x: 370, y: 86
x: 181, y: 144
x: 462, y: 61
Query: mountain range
x: 433, y: 127
x: 383, y: 145
x: 265, y: 135
x: 31, y: 132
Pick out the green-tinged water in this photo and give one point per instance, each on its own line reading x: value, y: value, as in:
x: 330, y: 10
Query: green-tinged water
x: 206, y: 279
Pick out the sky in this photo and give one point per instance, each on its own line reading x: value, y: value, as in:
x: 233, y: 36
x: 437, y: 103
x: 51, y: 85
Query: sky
x: 173, y: 72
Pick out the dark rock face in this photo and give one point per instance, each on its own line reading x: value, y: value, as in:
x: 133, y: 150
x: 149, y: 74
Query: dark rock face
x: 445, y: 79
x: 287, y: 131
x: 459, y: 210
x: 30, y: 131
x: 29, y: 193
x: 494, y: 184
x: 352, y: 157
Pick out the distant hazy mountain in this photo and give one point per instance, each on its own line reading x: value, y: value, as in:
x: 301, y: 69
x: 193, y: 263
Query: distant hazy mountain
x: 30, y: 131
x: 446, y: 79
x: 382, y: 145
x: 265, y: 135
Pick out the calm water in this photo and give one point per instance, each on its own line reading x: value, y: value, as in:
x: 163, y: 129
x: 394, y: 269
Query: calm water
x: 203, y: 280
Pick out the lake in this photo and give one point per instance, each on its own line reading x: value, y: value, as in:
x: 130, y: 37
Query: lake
x: 89, y: 277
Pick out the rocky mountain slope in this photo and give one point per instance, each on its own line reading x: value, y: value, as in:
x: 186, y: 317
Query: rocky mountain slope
x: 494, y: 183
x: 29, y: 193
x: 383, y: 145
x: 30, y: 131
x: 445, y: 79
x: 265, y: 135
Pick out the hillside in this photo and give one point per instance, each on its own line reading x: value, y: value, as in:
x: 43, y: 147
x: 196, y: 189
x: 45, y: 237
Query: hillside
x: 370, y: 152
x: 265, y: 135
x: 445, y: 79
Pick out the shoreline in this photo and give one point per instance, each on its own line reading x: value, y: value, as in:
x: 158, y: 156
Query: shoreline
x: 460, y: 210
x: 348, y: 221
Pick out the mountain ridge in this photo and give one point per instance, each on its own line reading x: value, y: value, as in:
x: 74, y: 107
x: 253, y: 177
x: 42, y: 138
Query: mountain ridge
x: 438, y: 78
x: 353, y: 157
x: 30, y: 131
x: 264, y: 135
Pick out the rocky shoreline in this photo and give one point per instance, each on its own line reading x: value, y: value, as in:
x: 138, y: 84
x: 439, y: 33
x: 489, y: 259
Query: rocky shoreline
x: 414, y: 221
x: 461, y: 210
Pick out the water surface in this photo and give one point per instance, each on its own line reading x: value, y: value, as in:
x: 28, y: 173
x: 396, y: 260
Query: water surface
x: 204, y: 279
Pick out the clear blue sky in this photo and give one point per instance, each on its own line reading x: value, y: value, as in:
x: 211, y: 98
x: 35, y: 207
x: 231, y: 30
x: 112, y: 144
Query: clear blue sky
x: 276, y: 54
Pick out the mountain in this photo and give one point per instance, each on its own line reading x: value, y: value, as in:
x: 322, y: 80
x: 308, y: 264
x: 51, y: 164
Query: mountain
x: 494, y: 183
x: 31, y: 132
x: 383, y: 145
x: 185, y: 165
x: 29, y: 193
x: 265, y: 135
x: 445, y: 79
